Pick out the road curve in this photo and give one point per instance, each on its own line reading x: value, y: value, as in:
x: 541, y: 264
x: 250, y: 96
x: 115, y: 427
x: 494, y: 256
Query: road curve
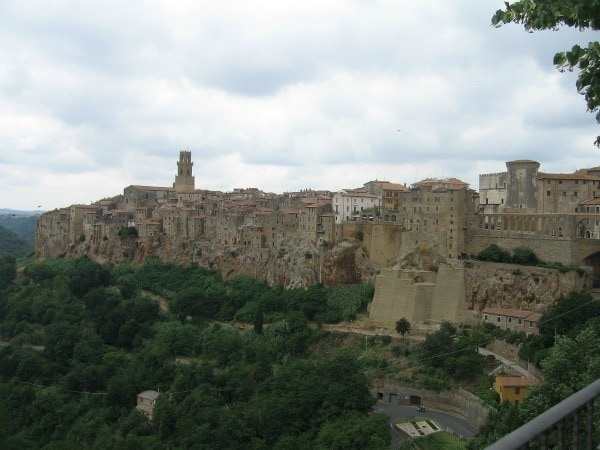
x: 450, y: 421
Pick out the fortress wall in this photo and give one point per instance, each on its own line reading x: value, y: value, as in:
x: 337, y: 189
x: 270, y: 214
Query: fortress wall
x: 381, y: 241
x: 546, y: 248
x: 423, y: 293
x: 389, y: 300
x: 449, y: 296
x: 420, y: 296
x: 397, y: 296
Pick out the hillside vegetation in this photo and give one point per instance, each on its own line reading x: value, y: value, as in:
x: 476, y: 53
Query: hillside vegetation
x: 238, y: 363
x: 84, y: 340
x: 21, y: 230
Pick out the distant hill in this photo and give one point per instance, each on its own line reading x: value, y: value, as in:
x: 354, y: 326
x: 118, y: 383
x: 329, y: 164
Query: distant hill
x: 17, y: 231
x: 16, y: 212
x: 14, y: 245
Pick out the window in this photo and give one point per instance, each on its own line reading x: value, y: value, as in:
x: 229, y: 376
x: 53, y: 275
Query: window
x: 520, y: 321
x: 517, y: 391
x: 510, y: 320
x: 498, y: 319
x: 485, y: 317
x: 530, y: 324
x: 547, y: 193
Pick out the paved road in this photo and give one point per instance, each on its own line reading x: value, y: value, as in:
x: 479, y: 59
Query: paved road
x: 394, y: 412
x: 511, y: 364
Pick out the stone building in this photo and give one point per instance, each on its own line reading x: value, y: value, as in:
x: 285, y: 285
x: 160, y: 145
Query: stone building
x: 517, y: 320
x: 513, y: 389
x: 564, y: 193
x: 184, y: 180
x: 440, y: 210
x: 145, y: 403
x: 355, y: 204
x: 492, y: 192
x: 523, y: 189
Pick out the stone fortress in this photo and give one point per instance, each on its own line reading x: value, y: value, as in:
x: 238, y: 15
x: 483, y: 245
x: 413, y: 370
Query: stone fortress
x: 413, y: 240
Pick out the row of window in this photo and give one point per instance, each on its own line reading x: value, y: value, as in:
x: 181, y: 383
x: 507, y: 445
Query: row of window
x: 509, y: 320
x: 564, y: 193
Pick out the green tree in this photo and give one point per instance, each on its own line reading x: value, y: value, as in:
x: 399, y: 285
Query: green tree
x: 188, y: 302
x: 355, y: 430
x: 569, y: 314
x: 258, y: 319
x: 537, y: 15
x: 85, y: 274
x: 8, y: 270
x: 524, y: 256
x: 403, y: 326
x: 494, y: 253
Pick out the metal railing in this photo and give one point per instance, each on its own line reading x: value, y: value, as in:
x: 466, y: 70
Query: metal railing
x: 553, y: 421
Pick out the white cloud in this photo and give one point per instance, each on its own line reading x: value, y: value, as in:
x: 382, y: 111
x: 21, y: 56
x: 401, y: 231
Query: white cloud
x: 98, y: 96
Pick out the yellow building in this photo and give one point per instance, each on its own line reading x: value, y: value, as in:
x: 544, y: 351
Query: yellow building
x: 513, y: 389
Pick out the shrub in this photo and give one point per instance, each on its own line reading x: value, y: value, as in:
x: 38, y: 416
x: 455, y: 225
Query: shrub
x: 494, y: 253
x: 126, y: 232
x: 525, y: 256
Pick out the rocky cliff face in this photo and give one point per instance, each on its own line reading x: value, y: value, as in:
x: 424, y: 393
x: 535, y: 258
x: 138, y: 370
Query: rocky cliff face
x: 297, y: 263
x: 521, y: 287
x: 294, y: 264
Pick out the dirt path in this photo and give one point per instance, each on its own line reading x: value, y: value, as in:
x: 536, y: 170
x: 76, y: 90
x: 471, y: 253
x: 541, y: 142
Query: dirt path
x: 164, y: 304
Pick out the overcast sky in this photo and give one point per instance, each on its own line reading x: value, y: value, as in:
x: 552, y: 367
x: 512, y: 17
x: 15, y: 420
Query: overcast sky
x: 278, y: 95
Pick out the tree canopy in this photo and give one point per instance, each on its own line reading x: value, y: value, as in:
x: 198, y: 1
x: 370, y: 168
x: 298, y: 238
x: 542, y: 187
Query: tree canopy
x: 537, y: 15
x: 403, y: 326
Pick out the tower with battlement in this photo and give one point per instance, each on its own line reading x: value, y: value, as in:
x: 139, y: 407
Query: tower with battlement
x: 521, y: 189
x: 184, y: 180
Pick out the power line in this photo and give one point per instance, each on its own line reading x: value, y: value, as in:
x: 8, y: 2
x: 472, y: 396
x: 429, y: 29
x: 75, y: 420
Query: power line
x: 483, y: 344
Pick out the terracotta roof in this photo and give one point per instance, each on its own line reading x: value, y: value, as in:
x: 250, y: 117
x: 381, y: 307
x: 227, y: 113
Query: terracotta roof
x: 151, y: 188
x: 395, y: 187
x: 150, y: 395
x: 591, y: 201
x: 518, y: 313
x: 578, y: 175
x: 85, y: 206
x: 515, y: 381
x: 445, y: 182
x: 357, y: 193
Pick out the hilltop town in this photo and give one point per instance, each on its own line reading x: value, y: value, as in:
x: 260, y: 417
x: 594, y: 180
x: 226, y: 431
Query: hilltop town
x: 347, y: 236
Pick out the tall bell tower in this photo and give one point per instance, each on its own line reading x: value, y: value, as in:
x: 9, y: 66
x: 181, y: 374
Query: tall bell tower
x: 184, y: 180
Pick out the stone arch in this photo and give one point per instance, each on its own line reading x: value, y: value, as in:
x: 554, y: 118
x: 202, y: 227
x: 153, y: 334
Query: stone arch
x: 584, y: 229
x: 593, y: 260
x: 539, y: 225
x: 533, y: 225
